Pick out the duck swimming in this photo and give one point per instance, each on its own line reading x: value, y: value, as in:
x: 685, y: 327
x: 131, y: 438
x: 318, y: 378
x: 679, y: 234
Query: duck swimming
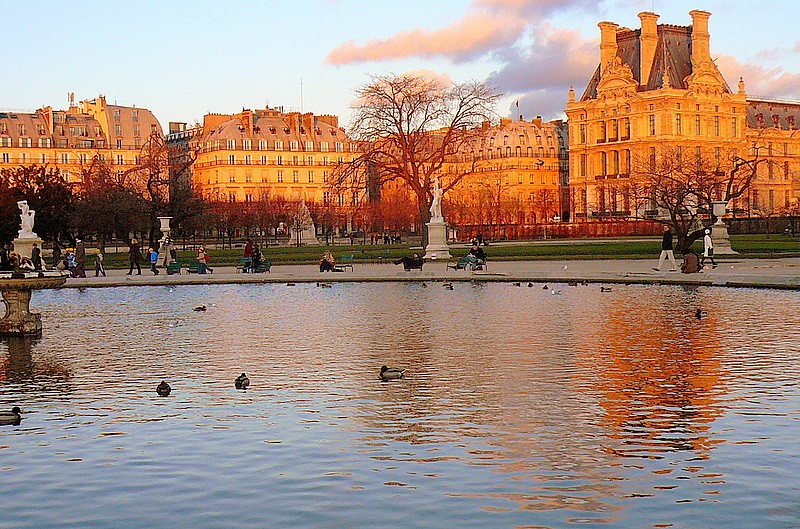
x: 391, y: 373
x: 242, y: 381
x: 163, y: 389
x: 12, y: 417
x: 201, y: 308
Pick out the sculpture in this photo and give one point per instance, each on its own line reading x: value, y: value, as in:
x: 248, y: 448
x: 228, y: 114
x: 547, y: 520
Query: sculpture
x: 27, y: 217
x: 436, y: 204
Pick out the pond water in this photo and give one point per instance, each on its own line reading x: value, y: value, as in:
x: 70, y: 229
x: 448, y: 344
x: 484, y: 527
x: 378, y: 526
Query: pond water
x: 520, y: 408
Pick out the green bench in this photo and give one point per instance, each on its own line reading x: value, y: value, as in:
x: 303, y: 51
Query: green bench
x: 264, y: 266
x: 194, y: 267
x: 174, y: 267
x: 245, y: 264
x: 346, y: 261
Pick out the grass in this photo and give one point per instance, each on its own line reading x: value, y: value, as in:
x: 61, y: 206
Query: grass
x: 754, y: 246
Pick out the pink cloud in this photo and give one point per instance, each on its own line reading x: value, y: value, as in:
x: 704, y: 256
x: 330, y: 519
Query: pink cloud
x: 759, y: 81
x: 470, y: 37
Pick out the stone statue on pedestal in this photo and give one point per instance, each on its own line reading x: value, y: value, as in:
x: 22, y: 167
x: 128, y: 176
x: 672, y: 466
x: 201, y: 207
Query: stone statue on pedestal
x: 436, y: 204
x: 27, y: 217
x: 437, y: 248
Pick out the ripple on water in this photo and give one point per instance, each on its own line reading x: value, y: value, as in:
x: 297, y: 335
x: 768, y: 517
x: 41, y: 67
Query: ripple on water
x: 619, y: 409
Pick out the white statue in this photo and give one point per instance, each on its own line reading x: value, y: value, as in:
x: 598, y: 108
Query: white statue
x: 436, y: 204
x: 304, y: 221
x: 27, y: 216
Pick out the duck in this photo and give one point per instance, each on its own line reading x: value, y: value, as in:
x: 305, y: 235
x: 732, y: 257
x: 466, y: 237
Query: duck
x: 556, y: 292
x: 163, y: 389
x: 448, y: 286
x: 424, y: 285
x: 545, y: 287
x: 517, y: 284
x: 605, y: 289
x: 201, y: 308
x: 324, y: 285
x: 572, y: 284
x: 700, y: 314
x: 290, y: 284
x: 391, y: 373
x: 12, y: 417
x: 242, y: 381
x: 530, y: 285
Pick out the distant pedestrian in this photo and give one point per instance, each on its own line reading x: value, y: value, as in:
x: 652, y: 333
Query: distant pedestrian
x: 80, y: 259
x: 153, y: 261
x: 666, y: 251
x: 36, y: 257
x: 708, y: 250
x: 248, y: 249
x: 98, y: 263
x: 56, y: 253
x: 134, y: 257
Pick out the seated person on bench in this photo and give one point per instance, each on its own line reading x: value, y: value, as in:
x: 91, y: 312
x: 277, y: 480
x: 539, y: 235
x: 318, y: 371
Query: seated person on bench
x: 327, y: 263
x: 415, y: 261
x: 476, y: 256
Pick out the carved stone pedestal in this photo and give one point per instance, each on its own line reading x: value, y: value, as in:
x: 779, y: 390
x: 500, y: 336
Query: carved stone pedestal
x: 437, y: 248
x: 16, y: 291
x: 24, y: 245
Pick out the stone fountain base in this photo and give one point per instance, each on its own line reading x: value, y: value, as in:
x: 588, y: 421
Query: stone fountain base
x: 16, y: 290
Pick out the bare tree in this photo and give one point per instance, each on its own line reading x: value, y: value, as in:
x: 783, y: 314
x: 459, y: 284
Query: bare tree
x: 408, y: 127
x: 678, y: 188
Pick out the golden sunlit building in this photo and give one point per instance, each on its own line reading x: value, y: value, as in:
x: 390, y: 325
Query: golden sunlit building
x: 70, y: 139
x: 658, y: 92
x: 243, y: 157
x: 517, y: 181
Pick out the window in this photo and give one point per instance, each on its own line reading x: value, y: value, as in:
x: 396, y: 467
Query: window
x: 716, y: 125
x: 697, y: 125
x: 603, y: 163
x: 135, y: 115
x: 584, y: 159
x: 248, y: 159
x: 231, y: 197
x: 21, y: 129
x: 248, y: 176
x: 5, y: 157
x: 278, y: 145
x: 323, y: 146
x: 230, y: 144
x: 279, y: 160
x: 339, y: 147
x: 263, y: 160
x: 652, y: 158
x: 311, y: 177
x: 733, y: 127
x: 324, y: 176
x: 292, y: 145
x: 248, y: 197
x: 136, y: 130
x: 678, y: 125
x: 583, y: 133
x: 262, y: 145
x: 64, y: 157
x: 232, y: 159
x: 120, y: 160
x: 652, y: 124
x: 309, y: 145
x: 601, y: 133
x: 717, y: 157
x: 786, y: 170
x: 118, y: 129
x: 326, y: 197
x: 44, y: 158
x: 83, y: 158
x: 296, y: 177
x: 231, y: 177
x: 119, y: 143
x: 137, y: 142
x: 247, y: 145
x: 280, y: 176
x: 771, y: 170
x: 116, y: 114
x: 310, y: 160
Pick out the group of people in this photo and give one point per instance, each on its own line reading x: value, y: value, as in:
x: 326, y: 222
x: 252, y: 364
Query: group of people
x: 11, y: 261
x: 692, y: 262
x: 252, y: 252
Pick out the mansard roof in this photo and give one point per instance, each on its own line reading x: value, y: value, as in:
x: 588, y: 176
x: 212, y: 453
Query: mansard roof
x: 673, y: 56
x: 762, y: 113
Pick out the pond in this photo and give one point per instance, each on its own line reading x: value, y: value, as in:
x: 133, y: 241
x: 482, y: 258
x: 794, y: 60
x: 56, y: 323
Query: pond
x: 519, y: 408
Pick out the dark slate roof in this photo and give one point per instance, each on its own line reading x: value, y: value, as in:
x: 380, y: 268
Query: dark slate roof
x: 673, y: 55
x: 765, y: 114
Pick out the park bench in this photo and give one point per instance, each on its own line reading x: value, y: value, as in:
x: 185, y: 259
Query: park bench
x: 245, y: 265
x: 174, y: 267
x: 384, y: 257
x: 346, y: 261
x: 264, y: 266
x: 194, y: 267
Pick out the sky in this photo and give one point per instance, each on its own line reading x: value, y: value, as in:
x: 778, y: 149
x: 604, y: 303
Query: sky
x: 183, y: 59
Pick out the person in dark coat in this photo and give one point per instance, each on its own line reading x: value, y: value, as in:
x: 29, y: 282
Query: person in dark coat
x: 415, y: 261
x: 36, y: 257
x: 691, y: 262
x: 80, y: 259
x: 135, y: 257
x: 666, y: 251
x: 56, y: 253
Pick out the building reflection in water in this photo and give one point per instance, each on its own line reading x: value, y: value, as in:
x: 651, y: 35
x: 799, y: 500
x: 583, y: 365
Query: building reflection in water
x: 21, y: 367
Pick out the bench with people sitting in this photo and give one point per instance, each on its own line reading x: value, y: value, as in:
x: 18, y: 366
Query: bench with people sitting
x: 409, y: 263
x: 174, y: 267
x: 475, y: 259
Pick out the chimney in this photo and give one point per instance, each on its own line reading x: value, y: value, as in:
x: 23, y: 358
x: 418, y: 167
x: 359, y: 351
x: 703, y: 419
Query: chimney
x: 701, y: 50
x: 608, y: 44
x: 647, y: 43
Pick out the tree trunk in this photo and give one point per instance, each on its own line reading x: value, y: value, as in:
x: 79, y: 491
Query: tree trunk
x: 424, y: 217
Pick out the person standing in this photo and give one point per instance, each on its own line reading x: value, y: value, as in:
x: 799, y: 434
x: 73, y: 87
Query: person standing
x: 666, y: 251
x: 80, y: 259
x: 708, y: 250
x: 248, y: 249
x: 5, y: 258
x: 98, y: 263
x: 153, y: 260
x: 56, y: 253
x: 134, y: 256
x: 36, y: 257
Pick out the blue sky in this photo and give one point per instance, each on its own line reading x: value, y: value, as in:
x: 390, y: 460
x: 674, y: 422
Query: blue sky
x: 183, y: 59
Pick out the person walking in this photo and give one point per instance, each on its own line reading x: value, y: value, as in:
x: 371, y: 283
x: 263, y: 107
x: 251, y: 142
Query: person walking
x: 134, y: 256
x: 666, y: 251
x: 708, y: 250
x: 98, y: 263
x: 80, y: 259
x: 153, y: 260
x: 56, y: 253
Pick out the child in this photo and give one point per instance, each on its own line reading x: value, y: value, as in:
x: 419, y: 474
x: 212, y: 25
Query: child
x: 98, y: 263
x: 153, y: 261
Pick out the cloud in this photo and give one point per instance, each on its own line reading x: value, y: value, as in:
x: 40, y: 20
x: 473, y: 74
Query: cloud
x: 469, y: 38
x: 759, y: 81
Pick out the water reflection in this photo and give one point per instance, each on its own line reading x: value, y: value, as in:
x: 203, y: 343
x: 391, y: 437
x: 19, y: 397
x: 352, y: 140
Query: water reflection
x: 519, y: 408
